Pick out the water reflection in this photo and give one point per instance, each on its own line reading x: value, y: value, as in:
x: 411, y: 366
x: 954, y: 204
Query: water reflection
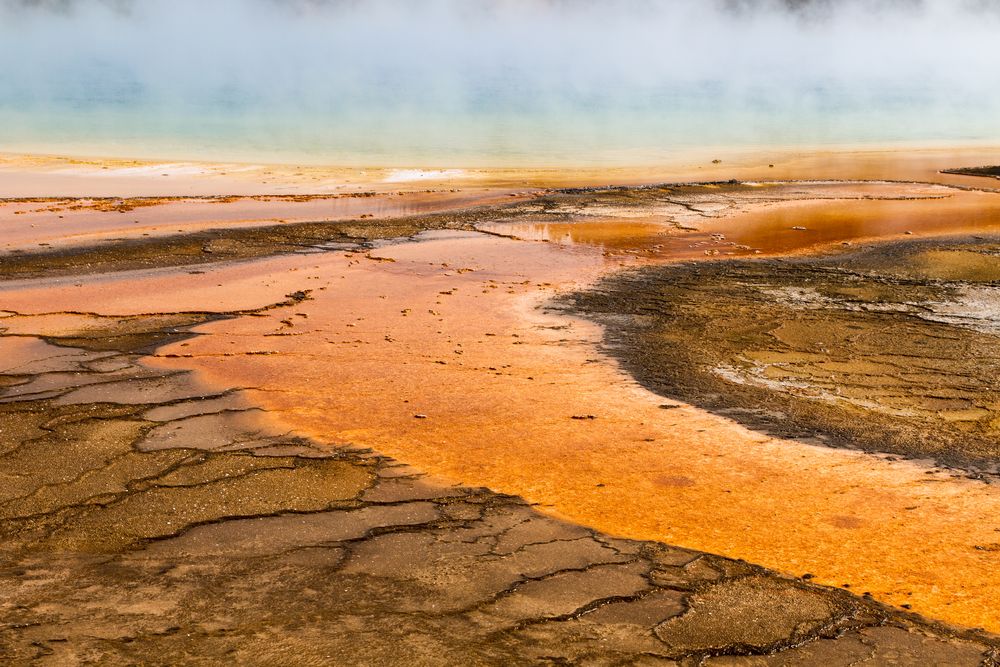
x: 784, y: 227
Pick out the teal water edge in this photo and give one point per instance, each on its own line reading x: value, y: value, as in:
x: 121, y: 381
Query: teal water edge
x: 489, y: 82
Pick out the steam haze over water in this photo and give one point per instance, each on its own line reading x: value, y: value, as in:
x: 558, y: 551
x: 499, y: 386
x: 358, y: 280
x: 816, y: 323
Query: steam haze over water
x: 483, y: 82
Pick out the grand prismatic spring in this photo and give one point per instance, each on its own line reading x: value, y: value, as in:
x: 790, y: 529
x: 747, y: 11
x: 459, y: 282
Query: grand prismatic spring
x: 499, y: 332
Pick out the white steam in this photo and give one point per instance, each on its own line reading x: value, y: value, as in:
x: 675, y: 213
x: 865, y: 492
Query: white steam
x: 395, y: 79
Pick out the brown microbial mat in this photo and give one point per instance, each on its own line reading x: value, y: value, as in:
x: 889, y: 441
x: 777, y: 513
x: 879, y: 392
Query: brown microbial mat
x: 149, y: 519
x: 724, y: 423
x: 892, y: 349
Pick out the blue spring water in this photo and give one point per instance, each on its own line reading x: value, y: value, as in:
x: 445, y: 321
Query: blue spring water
x: 488, y: 82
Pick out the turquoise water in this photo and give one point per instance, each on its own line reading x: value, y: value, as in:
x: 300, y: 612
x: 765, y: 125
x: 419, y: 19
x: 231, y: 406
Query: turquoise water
x: 488, y: 83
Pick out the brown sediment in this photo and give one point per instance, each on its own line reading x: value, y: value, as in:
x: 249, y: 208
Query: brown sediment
x: 31, y: 225
x: 388, y: 336
x: 174, y: 524
x: 215, y: 245
x: 892, y: 349
x: 207, y: 242
x: 739, y: 219
x: 383, y: 342
x: 654, y: 222
x: 988, y: 172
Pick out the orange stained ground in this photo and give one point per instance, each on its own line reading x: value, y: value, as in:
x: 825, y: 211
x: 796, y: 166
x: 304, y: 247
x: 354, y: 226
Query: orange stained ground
x: 453, y: 328
x: 26, y: 225
x: 778, y: 228
x: 772, y: 228
x: 500, y: 381
x: 47, y: 175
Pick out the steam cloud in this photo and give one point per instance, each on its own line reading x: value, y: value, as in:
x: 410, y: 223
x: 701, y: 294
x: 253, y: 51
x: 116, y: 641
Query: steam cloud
x: 356, y: 76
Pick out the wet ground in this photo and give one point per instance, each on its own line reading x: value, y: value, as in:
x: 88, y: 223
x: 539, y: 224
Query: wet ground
x: 213, y: 461
x: 890, y: 349
x: 149, y: 520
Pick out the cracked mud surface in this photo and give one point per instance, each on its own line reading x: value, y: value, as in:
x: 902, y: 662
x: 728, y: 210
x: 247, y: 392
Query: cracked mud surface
x: 122, y: 545
x: 892, y: 349
x: 149, y: 519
